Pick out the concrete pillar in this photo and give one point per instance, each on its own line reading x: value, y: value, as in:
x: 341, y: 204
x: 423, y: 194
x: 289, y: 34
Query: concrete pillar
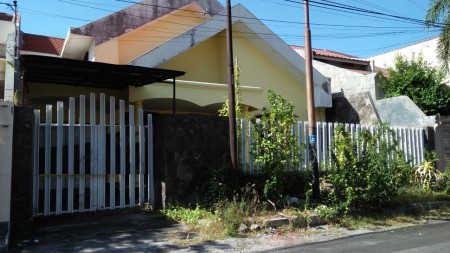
x: 6, y: 141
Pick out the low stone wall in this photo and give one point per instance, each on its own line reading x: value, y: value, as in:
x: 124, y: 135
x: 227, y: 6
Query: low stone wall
x: 186, y: 147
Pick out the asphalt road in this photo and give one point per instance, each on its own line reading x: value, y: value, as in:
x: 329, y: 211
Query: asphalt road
x: 433, y: 237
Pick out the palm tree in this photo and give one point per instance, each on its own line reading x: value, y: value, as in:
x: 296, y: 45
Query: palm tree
x: 438, y: 16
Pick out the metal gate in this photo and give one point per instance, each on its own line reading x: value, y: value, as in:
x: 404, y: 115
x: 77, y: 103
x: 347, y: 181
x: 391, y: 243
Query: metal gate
x: 88, y: 164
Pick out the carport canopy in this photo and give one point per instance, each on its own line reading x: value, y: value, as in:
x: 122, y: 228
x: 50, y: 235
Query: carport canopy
x: 55, y: 70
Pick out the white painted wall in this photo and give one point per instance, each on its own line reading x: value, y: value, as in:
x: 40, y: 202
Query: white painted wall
x: 427, y: 48
x: 347, y: 81
x: 343, y: 80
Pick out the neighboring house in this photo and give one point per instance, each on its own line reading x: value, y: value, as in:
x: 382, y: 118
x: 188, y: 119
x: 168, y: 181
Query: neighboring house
x: 427, y: 48
x: 33, y: 44
x: 356, y: 94
x: 191, y: 38
x: 7, y: 36
x: 353, y: 85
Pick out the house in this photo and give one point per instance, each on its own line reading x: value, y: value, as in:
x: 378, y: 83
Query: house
x: 190, y: 36
x: 427, y: 48
x: 356, y: 94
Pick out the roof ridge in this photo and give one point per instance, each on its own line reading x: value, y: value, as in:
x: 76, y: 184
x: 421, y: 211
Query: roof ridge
x: 323, y: 52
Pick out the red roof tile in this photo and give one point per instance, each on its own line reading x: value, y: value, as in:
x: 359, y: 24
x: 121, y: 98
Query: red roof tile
x: 6, y: 16
x: 42, y: 44
x: 330, y: 53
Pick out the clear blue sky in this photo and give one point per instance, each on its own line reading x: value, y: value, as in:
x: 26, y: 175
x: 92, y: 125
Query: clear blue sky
x: 356, y: 27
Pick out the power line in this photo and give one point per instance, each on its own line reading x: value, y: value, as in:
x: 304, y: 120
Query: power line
x: 383, y: 30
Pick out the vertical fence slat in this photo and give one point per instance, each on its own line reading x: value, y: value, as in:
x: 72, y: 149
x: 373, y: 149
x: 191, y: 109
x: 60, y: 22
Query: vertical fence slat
x: 324, y: 146
x: 93, y: 154
x: 300, y: 143
x: 36, y: 134
x: 141, y: 156
x: 101, y: 147
x: 416, y: 145
x: 329, y: 137
x: 82, y: 157
x: 112, y: 153
x: 132, y: 175
x: 306, y: 142
x: 319, y: 143
x: 122, y: 152
x: 59, y: 155
x: 70, y: 156
x: 151, y: 189
x: 48, y: 156
x: 243, y: 143
x: 250, y: 142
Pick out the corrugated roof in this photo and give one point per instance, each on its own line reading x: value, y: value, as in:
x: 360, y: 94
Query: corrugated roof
x: 42, y: 44
x: 330, y: 53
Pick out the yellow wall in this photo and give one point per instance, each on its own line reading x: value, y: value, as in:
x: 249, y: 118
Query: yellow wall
x: 207, y: 62
x: 108, y: 52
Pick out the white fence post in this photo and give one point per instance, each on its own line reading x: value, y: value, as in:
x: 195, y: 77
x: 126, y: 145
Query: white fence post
x: 48, y: 155
x: 112, y: 153
x: 70, y: 156
x: 150, y: 184
x: 82, y: 156
x: 141, y: 157
x: 132, y: 175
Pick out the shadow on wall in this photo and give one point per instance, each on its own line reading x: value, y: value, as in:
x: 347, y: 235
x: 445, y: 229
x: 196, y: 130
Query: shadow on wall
x: 342, y: 111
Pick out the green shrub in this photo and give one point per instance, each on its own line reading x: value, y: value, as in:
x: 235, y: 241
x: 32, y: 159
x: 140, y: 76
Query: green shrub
x: 367, y: 171
x: 275, y: 148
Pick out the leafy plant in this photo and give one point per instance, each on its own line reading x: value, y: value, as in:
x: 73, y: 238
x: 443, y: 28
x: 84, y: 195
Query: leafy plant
x: 422, y: 83
x: 328, y: 213
x: 186, y: 215
x: 225, y: 111
x: 426, y: 172
x: 367, y: 171
x: 275, y: 149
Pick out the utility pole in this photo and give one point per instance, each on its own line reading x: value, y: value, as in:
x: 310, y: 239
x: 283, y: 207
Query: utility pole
x: 311, y: 112
x: 231, y: 94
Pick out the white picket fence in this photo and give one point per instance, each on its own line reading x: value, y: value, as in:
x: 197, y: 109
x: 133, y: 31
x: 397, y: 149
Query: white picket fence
x: 410, y: 142
x: 88, y: 166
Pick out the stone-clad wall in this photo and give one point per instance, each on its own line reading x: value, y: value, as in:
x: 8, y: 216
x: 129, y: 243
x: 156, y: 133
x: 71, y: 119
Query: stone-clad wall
x: 185, y: 148
x: 356, y: 109
x: 22, y: 171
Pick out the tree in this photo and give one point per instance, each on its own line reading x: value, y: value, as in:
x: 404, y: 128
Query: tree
x: 419, y: 81
x: 438, y: 16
